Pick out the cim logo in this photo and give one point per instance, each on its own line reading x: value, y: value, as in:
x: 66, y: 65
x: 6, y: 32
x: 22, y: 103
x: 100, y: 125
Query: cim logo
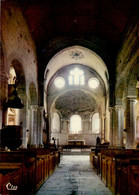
x: 9, y: 186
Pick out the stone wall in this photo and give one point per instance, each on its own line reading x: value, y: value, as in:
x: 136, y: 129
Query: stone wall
x: 17, y: 42
x: 127, y: 58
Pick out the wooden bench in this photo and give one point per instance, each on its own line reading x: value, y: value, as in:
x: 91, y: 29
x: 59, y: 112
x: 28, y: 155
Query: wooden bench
x: 11, y: 171
x: 110, y: 162
x: 27, y: 169
x: 113, y: 165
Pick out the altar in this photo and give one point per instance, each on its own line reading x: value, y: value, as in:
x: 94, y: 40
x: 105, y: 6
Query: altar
x: 76, y: 142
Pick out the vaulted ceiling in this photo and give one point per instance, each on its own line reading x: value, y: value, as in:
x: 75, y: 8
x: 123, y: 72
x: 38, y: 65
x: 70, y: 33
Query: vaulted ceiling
x: 105, y: 19
x: 99, y: 25
x: 75, y: 101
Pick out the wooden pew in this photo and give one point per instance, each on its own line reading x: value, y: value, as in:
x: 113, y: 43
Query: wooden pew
x: 27, y: 169
x: 42, y: 169
x: 95, y: 160
x: 112, y: 162
x: 127, y: 177
x: 134, y: 180
x: 11, y: 171
x: 118, y: 168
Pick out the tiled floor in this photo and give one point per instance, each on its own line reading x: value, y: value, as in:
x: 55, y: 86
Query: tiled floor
x: 74, y: 176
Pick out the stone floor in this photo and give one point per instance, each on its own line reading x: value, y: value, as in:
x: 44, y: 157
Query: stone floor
x: 74, y: 176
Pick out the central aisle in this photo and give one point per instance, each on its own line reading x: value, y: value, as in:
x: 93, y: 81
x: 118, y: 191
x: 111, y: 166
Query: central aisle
x: 74, y: 176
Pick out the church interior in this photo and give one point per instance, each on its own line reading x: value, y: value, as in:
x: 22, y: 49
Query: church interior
x: 69, y: 79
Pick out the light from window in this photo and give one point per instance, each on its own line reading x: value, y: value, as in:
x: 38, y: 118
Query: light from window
x: 12, y: 76
x: 95, y: 123
x: 13, y: 116
x: 93, y: 83
x: 76, y: 77
x: 75, y: 124
x: 59, y: 82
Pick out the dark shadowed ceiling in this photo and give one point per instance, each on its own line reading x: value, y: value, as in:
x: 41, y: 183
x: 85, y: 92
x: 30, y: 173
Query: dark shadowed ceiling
x: 106, y: 19
x: 97, y: 24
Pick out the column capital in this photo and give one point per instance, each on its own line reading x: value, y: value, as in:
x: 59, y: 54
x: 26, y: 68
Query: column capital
x: 130, y: 98
x: 104, y: 116
x: 41, y: 108
x: 118, y: 107
x: 33, y: 107
x: 111, y: 109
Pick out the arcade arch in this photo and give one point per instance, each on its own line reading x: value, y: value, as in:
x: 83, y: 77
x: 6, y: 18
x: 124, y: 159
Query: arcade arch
x: 72, y: 99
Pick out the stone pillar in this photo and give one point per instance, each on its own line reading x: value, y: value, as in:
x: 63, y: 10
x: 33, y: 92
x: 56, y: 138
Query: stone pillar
x: 130, y: 122
x: 33, y: 125
x: 107, y: 129
x: 23, y: 119
x: 103, y: 128
x: 3, y: 96
x: 41, y: 124
x: 111, y: 125
x: 118, y: 126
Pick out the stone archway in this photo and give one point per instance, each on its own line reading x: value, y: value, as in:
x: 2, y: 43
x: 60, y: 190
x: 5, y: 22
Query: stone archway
x: 60, y: 66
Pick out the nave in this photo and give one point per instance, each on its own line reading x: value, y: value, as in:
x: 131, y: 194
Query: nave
x: 74, y: 176
x: 69, y: 79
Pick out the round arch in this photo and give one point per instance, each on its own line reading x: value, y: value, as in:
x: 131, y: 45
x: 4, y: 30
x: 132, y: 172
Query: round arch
x: 61, y: 61
x: 21, y: 88
x: 76, y: 54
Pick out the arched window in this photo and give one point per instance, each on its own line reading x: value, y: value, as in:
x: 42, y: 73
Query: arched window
x: 56, y: 123
x: 12, y: 113
x: 75, y: 124
x: 95, y: 123
x: 76, y: 77
x: 12, y: 76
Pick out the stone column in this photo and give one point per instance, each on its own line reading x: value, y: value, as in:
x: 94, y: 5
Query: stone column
x: 118, y: 126
x: 103, y: 128
x: 107, y: 128
x: 23, y: 119
x: 130, y: 122
x: 33, y: 125
x: 41, y: 124
x: 3, y: 96
x: 111, y: 109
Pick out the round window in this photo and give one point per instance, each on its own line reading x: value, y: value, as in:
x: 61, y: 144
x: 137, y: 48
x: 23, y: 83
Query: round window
x: 93, y: 83
x: 59, y: 82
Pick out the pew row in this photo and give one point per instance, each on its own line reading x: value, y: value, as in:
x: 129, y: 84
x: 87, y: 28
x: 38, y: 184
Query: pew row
x: 118, y: 169
x: 24, y: 171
